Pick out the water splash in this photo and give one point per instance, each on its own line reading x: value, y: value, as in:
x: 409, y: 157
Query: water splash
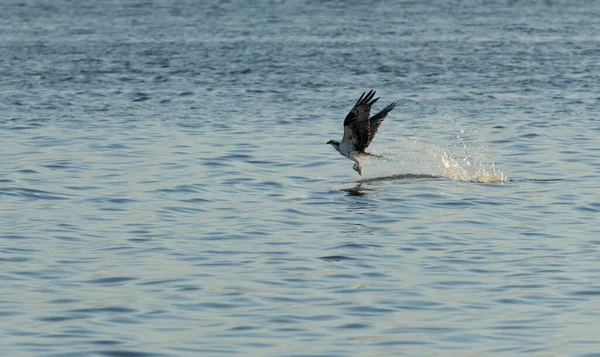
x: 448, y: 150
x: 474, y: 163
x: 453, y: 170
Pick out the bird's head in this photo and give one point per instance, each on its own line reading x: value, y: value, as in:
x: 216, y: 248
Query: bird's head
x: 334, y: 143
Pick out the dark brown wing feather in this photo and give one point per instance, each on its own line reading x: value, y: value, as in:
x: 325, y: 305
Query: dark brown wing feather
x: 357, y: 127
x: 377, y: 119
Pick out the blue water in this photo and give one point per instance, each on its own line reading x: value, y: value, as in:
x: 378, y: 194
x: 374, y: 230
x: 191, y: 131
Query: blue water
x: 166, y: 190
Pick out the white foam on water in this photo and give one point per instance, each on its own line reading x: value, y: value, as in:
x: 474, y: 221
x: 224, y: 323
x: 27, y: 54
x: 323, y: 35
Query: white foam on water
x: 444, y: 149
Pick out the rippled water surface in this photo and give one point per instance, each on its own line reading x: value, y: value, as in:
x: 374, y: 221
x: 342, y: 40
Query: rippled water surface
x: 166, y: 190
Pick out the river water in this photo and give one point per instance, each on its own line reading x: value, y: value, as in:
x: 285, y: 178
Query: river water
x: 166, y: 189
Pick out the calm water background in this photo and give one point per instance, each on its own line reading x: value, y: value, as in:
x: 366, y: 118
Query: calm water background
x: 166, y: 189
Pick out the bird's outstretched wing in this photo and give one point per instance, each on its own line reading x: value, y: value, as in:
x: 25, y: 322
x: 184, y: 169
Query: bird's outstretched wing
x: 357, y: 126
x: 377, y: 119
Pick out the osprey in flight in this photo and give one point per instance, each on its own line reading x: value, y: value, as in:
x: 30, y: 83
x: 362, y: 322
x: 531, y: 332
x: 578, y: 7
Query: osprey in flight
x: 359, y: 129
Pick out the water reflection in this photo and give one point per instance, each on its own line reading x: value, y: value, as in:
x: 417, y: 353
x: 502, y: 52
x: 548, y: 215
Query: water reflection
x: 357, y: 190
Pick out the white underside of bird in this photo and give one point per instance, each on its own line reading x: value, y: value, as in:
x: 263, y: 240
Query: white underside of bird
x: 346, y: 151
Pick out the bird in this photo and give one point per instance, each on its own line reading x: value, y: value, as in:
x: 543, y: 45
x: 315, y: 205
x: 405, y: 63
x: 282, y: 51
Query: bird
x: 359, y: 129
